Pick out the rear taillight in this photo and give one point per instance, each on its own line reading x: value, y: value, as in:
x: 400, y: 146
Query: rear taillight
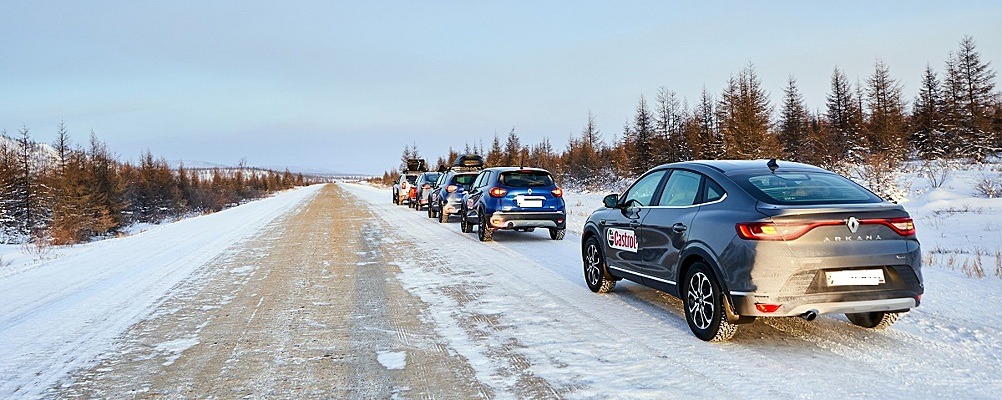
x: 790, y: 231
x: 498, y: 192
x: 451, y: 188
x: 903, y: 226
x: 558, y: 192
x: 772, y: 231
x: 767, y: 307
x: 413, y: 191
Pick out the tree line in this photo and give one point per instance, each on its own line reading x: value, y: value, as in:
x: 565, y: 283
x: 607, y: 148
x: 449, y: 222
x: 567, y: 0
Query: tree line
x: 957, y: 113
x: 65, y: 193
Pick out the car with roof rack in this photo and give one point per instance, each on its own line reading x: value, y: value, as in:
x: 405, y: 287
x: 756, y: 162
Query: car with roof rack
x: 405, y: 183
x: 740, y: 240
x: 446, y: 199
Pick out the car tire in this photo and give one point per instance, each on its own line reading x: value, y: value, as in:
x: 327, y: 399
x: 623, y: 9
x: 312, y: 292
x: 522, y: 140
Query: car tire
x: 484, y: 232
x: 595, y: 273
x: 557, y: 234
x: 464, y: 225
x: 395, y: 200
x: 443, y: 217
x: 704, y: 305
x: 874, y: 320
x: 431, y: 212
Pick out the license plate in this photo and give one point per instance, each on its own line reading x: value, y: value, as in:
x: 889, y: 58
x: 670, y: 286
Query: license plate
x: 529, y: 202
x: 862, y: 277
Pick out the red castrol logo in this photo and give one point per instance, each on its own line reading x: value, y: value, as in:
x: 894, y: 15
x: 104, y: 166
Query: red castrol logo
x: 622, y: 239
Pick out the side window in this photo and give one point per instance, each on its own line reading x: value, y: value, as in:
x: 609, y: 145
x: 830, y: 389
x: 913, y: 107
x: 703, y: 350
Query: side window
x: 681, y: 189
x: 642, y: 192
x: 479, y: 183
x: 713, y: 191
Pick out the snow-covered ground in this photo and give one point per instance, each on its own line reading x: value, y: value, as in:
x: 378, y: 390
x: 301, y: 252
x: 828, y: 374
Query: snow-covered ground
x: 635, y: 343
x: 61, y: 309
x: 524, y: 296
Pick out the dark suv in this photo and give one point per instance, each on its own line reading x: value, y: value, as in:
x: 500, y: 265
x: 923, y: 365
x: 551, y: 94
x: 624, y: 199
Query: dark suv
x: 425, y: 183
x: 520, y: 199
x: 736, y: 240
x: 447, y: 198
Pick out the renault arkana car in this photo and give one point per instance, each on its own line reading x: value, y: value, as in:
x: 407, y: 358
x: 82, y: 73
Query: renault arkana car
x: 737, y: 240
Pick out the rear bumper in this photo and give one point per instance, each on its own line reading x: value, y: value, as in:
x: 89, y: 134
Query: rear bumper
x: 832, y: 303
x: 512, y: 220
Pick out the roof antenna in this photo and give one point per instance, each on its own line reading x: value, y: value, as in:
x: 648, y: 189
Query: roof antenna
x: 772, y: 165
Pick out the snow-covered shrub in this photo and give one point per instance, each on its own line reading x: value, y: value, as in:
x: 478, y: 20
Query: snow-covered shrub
x: 938, y: 171
x: 990, y: 186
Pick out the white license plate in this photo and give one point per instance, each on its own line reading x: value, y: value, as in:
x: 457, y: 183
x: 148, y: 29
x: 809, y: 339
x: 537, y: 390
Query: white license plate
x: 862, y: 277
x: 529, y: 202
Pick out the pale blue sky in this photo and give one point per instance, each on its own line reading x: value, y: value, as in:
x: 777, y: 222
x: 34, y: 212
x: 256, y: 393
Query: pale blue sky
x: 346, y: 85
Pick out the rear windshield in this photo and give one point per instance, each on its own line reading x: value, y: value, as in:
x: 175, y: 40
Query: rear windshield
x: 465, y: 180
x: 411, y: 178
x: 805, y: 188
x: 526, y: 178
x: 431, y: 177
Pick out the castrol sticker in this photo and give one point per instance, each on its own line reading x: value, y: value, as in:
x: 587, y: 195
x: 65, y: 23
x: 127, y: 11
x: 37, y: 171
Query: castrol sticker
x: 622, y: 239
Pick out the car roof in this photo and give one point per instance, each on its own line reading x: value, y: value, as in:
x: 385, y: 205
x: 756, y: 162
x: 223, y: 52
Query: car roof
x: 506, y: 169
x: 729, y: 167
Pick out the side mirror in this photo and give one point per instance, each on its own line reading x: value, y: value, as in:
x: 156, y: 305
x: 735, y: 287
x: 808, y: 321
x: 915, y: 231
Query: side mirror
x: 611, y: 200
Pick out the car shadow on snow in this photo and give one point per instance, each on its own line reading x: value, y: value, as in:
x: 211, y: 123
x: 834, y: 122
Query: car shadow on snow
x: 793, y: 332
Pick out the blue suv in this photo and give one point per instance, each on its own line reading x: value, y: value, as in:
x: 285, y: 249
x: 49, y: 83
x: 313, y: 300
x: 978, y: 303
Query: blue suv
x: 520, y: 199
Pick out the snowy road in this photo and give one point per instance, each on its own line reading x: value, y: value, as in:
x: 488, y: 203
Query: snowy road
x: 339, y: 293
x: 537, y: 314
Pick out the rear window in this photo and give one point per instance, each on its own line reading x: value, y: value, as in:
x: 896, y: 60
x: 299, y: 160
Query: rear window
x: 431, y: 177
x: 805, y: 188
x: 465, y: 180
x: 526, y: 178
x: 411, y: 178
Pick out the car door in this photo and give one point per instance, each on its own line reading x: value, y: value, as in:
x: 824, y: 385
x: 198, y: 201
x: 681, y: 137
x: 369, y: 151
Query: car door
x: 665, y: 228
x: 620, y: 224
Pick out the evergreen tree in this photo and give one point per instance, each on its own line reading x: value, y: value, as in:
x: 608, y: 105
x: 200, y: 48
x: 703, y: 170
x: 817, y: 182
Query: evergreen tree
x: 844, y: 118
x: 670, y: 144
x: 928, y: 133
x: 886, y: 127
x: 794, y: 123
x: 514, y: 153
x: 971, y: 98
x: 495, y: 157
x: 641, y: 139
x: 743, y: 116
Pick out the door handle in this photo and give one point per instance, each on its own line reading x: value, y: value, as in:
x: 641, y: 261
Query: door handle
x: 679, y: 227
x: 634, y: 224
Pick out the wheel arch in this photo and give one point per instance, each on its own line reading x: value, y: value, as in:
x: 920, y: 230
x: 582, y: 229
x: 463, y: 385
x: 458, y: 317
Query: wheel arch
x: 696, y: 253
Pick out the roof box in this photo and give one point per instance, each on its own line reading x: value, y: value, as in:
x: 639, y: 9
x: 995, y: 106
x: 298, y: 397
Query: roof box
x: 468, y: 161
x: 417, y: 164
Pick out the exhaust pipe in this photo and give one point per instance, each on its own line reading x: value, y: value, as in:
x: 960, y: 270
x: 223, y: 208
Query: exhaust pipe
x: 810, y: 315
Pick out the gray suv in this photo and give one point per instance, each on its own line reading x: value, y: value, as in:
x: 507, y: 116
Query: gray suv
x: 736, y: 240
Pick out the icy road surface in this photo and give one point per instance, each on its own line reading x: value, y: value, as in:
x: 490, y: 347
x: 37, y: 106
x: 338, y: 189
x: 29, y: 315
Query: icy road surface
x: 337, y: 293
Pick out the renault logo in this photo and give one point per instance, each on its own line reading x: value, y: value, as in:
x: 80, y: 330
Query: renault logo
x: 529, y: 191
x: 853, y: 224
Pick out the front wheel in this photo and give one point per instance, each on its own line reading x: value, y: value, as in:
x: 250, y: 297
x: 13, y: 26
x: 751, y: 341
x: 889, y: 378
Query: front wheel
x: 594, y: 267
x: 443, y: 217
x: 874, y: 320
x: 704, y: 305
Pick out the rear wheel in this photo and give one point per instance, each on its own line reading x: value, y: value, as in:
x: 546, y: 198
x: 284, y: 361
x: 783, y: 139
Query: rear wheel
x: 396, y: 200
x: 704, y: 305
x: 557, y: 234
x: 431, y: 213
x: 594, y: 267
x: 485, y: 233
x: 442, y: 216
x: 874, y: 320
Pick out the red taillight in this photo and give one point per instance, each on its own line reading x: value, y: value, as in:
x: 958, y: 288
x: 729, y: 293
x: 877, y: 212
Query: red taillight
x: 903, y: 226
x: 451, y: 188
x: 767, y: 307
x: 774, y: 231
x: 413, y: 191
x: 498, y: 192
x: 558, y: 192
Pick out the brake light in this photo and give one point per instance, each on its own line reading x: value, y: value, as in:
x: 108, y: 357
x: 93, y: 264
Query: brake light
x: 498, y: 192
x: 413, y: 191
x: 451, y: 188
x: 789, y: 231
x: 558, y: 192
x: 774, y: 231
x: 903, y: 226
